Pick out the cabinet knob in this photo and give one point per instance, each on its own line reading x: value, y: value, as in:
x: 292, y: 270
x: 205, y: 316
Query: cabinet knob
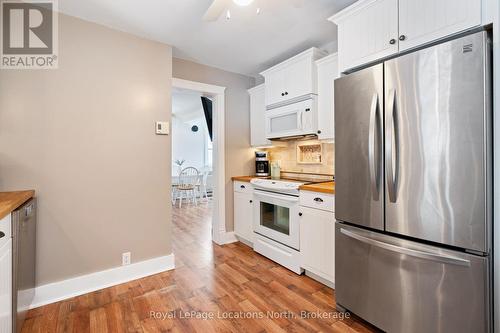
x: 319, y: 132
x: 402, y: 37
x: 242, y: 186
x: 286, y: 92
x: 392, y: 41
x: 318, y: 199
x: 2, y: 235
x: 251, y: 201
x: 300, y: 214
x: 282, y: 94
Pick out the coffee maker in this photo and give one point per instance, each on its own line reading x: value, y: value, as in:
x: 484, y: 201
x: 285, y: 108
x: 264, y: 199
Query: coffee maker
x: 261, y: 164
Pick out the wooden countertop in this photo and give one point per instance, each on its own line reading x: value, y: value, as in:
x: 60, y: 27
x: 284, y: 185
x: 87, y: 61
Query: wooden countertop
x: 327, y: 187
x: 245, y: 178
x: 10, y: 201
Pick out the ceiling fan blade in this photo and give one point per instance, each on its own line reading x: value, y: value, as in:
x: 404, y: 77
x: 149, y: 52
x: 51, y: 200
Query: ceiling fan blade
x: 215, y: 10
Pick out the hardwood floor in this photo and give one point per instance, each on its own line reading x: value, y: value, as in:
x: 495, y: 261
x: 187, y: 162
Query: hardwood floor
x: 234, y: 288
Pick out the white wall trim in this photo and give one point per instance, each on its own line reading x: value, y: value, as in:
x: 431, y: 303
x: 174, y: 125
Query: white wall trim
x: 228, y: 237
x: 219, y: 96
x: 61, y: 290
x: 197, y: 86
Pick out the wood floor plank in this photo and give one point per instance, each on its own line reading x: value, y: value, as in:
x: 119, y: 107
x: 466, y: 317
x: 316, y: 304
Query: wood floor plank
x: 208, y: 279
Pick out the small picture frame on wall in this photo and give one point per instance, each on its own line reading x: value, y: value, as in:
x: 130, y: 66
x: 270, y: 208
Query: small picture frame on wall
x: 309, y: 153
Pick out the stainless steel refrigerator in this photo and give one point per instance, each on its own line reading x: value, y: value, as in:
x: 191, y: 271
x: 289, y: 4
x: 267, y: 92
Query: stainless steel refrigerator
x: 413, y: 150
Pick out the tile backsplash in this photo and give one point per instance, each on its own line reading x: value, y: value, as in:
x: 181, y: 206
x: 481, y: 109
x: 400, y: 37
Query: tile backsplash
x: 287, y: 156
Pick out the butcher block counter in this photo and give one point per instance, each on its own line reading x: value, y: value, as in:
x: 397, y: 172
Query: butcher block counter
x: 10, y: 201
x: 246, y: 178
x: 324, y: 187
x: 327, y: 187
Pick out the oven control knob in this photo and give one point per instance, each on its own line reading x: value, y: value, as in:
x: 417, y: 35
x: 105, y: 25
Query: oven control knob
x: 300, y: 214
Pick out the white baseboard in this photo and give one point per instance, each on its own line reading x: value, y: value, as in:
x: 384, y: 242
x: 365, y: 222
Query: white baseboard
x: 327, y: 282
x: 61, y: 290
x: 227, y: 238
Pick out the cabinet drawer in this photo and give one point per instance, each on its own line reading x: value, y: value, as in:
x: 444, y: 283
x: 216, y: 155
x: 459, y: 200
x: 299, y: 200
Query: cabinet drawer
x: 243, y: 187
x: 5, y: 230
x: 317, y: 200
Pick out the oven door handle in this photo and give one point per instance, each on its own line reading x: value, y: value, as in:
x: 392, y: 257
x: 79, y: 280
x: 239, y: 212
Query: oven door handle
x: 266, y: 195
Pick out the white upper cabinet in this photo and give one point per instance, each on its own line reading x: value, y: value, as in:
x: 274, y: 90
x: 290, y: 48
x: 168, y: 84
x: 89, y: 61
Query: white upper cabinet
x: 275, y: 87
x: 327, y: 73
x: 292, y: 78
x: 371, y: 30
x: 367, y: 31
x: 258, y: 117
x: 422, y: 21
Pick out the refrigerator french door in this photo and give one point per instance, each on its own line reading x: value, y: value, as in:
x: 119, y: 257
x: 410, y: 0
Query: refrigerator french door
x: 413, y: 196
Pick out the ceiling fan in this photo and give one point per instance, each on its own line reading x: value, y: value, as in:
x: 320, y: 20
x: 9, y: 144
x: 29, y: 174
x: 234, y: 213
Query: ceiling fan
x: 219, y: 6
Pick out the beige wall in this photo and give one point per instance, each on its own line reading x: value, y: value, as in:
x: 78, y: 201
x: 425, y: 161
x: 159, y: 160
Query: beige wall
x: 83, y: 137
x: 286, y: 154
x: 239, y: 157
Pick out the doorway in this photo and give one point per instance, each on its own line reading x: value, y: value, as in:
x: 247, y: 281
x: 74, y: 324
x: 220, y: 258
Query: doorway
x: 214, y: 147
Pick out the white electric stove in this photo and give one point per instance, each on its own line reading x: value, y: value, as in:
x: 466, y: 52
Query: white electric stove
x: 277, y: 218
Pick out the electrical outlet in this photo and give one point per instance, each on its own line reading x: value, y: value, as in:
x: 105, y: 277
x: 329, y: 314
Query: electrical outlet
x: 125, y: 258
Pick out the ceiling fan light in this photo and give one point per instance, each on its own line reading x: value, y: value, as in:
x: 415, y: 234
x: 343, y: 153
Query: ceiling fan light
x: 242, y: 2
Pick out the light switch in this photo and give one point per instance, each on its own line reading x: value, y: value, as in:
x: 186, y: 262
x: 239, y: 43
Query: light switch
x: 162, y: 127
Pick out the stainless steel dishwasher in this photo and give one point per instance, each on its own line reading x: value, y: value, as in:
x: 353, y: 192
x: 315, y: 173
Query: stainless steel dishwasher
x: 24, y: 258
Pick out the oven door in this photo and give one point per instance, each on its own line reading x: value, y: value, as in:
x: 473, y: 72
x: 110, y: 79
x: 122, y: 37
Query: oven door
x: 276, y: 217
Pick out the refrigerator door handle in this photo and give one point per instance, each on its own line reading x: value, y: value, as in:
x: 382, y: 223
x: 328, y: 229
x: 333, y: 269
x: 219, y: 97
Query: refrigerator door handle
x: 391, y: 139
x: 442, y: 258
x: 372, y: 141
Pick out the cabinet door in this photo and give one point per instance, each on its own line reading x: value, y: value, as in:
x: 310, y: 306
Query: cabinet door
x: 317, y: 237
x: 369, y: 34
x: 243, y: 215
x: 298, y: 78
x: 422, y: 21
x: 258, y: 117
x: 6, y: 287
x: 275, y: 87
x: 327, y: 73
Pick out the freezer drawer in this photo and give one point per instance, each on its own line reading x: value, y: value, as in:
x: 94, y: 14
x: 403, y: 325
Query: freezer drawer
x: 403, y: 286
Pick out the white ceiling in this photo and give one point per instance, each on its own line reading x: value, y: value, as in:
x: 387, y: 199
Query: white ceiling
x: 246, y: 44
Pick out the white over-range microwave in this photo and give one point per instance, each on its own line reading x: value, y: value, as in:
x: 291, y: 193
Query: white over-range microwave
x: 297, y: 119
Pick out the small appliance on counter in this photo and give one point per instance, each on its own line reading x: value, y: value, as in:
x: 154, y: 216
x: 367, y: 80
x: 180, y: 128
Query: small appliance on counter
x: 275, y: 170
x: 261, y: 164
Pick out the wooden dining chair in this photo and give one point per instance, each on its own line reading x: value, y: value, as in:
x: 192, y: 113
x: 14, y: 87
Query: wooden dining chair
x: 186, y: 188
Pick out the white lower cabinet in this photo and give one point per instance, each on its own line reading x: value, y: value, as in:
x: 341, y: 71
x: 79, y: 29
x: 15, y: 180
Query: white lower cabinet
x: 5, y: 276
x: 317, y: 242
x: 243, y: 211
